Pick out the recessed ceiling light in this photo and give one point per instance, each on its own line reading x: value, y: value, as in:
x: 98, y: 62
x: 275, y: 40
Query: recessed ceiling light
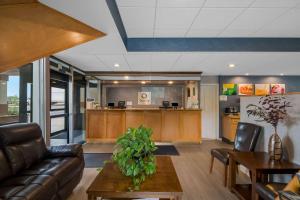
x: 170, y: 82
x: 143, y: 82
x: 126, y: 77
x: 247, y: 74
x: 281, y: 74
x: 116, y: 65
x: 231, y: 65
x: 116, y: 82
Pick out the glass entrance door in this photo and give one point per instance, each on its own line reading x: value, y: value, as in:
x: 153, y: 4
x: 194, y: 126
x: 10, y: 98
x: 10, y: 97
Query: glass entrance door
x: 59, y: 112
x: 79, y: 101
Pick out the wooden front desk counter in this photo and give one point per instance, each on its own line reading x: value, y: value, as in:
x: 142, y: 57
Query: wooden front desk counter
x: 105, y: 125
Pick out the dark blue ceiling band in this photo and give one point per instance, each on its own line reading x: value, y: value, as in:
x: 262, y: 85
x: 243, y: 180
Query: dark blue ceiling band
x: 201, y: 44
x: 214, y: 44
x: 114, y: 10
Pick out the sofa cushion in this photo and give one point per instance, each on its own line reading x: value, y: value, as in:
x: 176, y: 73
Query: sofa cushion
x: 9, y: 191
x: 29, y: 187
x: 63, y: 169
x: 23, y: 145
x: 5, y: 170
x: 35, y: 192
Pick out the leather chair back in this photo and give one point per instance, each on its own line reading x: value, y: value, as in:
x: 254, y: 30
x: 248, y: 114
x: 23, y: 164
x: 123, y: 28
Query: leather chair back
x: 246, y: 137
x: 23, y: 145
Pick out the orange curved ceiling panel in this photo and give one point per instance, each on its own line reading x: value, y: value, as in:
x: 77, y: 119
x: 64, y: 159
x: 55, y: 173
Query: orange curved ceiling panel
x: 30, y: 30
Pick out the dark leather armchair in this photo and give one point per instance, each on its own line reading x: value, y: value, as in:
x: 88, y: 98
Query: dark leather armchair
x: 31, y: 171
x: 245, y: 141
x: 273, y: 189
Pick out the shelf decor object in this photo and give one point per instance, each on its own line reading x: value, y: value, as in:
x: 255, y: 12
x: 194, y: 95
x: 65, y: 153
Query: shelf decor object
x: 272, y: 110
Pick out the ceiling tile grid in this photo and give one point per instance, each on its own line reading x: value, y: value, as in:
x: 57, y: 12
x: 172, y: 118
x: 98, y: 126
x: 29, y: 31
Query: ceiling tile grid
x: 215, y: 18
x: 275, y: 3
x: 168, y: 18
x: 111, y: 60
x: 228, y: 3
x: 208, y: 18
x: 190, y: 18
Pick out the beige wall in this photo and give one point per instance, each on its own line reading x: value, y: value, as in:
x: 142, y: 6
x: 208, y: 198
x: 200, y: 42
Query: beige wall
x: 288, y: 131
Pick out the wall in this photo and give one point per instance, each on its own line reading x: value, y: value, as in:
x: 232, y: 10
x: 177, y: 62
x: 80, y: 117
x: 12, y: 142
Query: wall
x: 209, y: 104
x: 159, y: 93
x: 210, y: 110
x: 292, y: 85
x: 288, y: 130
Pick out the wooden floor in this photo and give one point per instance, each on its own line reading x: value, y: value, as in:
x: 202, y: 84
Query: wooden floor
x: 192, y: 167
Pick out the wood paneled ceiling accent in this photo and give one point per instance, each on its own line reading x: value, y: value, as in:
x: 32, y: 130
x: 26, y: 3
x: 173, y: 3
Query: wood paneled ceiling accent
x: 7, y: 2
x: 31, y: 30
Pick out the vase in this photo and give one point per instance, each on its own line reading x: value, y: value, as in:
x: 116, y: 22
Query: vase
x: 275, y: 147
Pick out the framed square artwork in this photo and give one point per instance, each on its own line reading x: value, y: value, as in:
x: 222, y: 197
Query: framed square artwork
x: 246, y: 89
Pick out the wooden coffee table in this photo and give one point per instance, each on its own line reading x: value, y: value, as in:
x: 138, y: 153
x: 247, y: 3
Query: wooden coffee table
x: 112, y: 184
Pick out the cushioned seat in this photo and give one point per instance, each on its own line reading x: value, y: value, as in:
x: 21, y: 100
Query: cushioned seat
x: 36, y: 192
x: 8, y: 191
x: 268, y: 192
x: 31, y: 171
x: 41, y: 186
x: 25, y: 180
x: 63, y: 169
x: 279, y: 190
x: 221, y: 155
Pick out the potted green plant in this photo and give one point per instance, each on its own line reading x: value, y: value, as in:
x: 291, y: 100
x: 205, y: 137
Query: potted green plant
x: 134, y: 154
x: 272, y: 110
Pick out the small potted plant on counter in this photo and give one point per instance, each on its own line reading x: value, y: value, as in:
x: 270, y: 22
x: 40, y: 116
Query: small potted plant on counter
x: 134, y: 154
x: 272, y: 110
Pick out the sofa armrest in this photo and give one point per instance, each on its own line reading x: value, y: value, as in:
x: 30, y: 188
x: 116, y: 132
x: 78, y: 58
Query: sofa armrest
x: 265, y: 192
x: 70, y: 150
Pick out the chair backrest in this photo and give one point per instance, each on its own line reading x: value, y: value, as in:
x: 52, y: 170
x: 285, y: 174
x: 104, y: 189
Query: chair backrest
x: 246, y: 136
x: 23, y: 145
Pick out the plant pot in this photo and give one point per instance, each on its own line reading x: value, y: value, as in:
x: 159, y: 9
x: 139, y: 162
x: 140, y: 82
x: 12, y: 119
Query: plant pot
x: 275, y: 147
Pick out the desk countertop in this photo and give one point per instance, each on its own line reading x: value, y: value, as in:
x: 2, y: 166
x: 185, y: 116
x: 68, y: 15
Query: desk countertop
x: 142, y: 109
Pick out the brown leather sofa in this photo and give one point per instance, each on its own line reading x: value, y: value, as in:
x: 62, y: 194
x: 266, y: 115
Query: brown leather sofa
x: 31, y: 171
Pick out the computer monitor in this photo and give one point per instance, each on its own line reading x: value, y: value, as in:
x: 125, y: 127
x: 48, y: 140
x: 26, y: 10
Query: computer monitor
x: 174, y: 104
x: 111, y: 105
x: 166, y: 104
x: 121, y: 104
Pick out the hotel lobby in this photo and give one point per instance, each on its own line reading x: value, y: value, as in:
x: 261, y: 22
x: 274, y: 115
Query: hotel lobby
x: 149, y: 99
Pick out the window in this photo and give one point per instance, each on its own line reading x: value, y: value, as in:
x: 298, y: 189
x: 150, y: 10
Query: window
x: 58, y: 100
x: 59, y: 108
x: 16, y: 95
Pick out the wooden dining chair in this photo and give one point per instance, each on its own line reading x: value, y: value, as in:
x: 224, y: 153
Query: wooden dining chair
x: 245, y: 141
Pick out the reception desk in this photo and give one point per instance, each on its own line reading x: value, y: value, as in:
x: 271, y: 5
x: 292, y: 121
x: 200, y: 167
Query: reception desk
x: 105, y: 125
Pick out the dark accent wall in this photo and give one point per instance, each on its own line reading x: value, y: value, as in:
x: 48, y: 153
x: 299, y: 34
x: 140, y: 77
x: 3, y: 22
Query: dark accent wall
x: 292, y: 84
x: 174, y: 93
